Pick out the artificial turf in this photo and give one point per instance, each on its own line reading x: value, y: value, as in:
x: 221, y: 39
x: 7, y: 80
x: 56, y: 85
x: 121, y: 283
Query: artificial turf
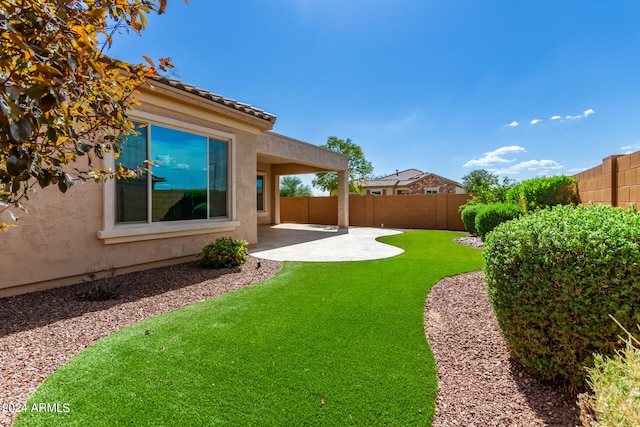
x: 319, y: 344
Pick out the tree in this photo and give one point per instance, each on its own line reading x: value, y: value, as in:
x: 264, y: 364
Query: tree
x: 486, y: 186
x: 478, y: 180
x: 291, y: 186
x: 61, y: 96
x: 359, y: 168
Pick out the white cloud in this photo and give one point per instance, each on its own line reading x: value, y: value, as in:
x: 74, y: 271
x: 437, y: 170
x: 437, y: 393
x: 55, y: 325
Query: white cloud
x: 628, y: 149
x: 535, y: 121
x: 493, y: 157
x: 541, y: 167
x: 182, y: 166
x: 585, y: 113
x: 508, y: 149
x: 164, y: 159
x: 513, y: 124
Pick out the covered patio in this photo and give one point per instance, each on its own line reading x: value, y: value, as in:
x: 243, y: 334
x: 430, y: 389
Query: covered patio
x: 279, y: 155
x: 309, y: 242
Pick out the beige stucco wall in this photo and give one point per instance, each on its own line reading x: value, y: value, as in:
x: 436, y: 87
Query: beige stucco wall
x: 70, y: 238
x: 57, y: 242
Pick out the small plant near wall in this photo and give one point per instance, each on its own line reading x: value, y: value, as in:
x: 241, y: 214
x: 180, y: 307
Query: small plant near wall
x: 615, y: 383
x: 225, y: 252
x: 99, y: 290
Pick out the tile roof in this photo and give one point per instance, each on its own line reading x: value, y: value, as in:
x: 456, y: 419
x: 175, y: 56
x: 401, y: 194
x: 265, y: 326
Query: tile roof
x: 236, y: 105
x: 401, y: 179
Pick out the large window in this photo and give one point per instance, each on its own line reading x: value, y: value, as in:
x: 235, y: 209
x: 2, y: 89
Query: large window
x: 187, y: 182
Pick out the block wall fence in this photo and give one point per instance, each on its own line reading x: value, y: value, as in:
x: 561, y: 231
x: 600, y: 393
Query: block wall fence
x: 429, y: 211
x: 615, y: 182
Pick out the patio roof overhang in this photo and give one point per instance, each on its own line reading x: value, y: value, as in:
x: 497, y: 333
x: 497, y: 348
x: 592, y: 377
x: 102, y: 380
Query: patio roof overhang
x: 290, y: 156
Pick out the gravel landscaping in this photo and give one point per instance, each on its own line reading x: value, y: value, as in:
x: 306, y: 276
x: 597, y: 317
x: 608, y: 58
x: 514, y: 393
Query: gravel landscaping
x: 478, y: 383
x: 41, y: 331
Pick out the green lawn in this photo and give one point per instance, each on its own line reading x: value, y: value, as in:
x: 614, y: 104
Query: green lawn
x: 319, y: 344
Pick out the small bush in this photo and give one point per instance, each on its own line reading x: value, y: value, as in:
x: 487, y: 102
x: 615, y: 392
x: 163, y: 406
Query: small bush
x: 615, y: 382
x: 225, y: 252
x: 554, y: 276
x: 491, y: 216
x: 98, y: 293
x: 542, y: 192
x: 468, y: 215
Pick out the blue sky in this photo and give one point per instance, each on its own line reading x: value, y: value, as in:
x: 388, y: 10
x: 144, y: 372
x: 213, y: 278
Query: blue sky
x: 522, y: 88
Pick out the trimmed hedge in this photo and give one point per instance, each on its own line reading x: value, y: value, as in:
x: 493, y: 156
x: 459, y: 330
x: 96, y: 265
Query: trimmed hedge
x: 225, y: 252
x: 468, y: 216
x: 492, y: 215
x: 555, y: 276
x: 545, y: 191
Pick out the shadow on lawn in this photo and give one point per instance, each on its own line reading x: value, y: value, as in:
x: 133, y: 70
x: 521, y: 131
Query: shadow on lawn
x: 29, y: 311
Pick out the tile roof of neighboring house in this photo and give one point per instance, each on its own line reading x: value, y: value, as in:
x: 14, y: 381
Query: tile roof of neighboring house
x: 402, y: 179
x: 245, y: 108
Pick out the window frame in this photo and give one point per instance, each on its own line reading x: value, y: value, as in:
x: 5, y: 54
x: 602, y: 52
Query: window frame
x: 113, y: 232
x: 265, y: 193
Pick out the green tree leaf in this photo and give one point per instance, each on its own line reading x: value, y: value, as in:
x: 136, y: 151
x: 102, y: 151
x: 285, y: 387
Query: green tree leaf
x: 359, y: 167
x: 291, y: 186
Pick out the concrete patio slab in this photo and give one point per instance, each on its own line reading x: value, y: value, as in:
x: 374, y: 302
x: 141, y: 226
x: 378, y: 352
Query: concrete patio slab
x: 304, y: 242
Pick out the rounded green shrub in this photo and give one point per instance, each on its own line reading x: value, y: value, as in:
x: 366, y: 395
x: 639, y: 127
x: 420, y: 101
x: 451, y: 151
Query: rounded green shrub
x: 544, y: 191
x: 468, y: 216
x: 555, y: 276
x: 225, y: 252
x: 494, y: 214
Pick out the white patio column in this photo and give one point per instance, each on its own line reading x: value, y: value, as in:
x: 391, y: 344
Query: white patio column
x: 343, y: 200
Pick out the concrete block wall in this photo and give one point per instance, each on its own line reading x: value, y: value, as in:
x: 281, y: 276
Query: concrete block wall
x: 432, y: 212
x: 615, y: 182
x: 628, y: 175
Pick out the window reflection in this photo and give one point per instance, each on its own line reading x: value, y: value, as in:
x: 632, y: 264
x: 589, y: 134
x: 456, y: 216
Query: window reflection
x: 260, y: 192
x: 189, y: 179
x: 179, y: 185
x: 217, y: 178
x: 131, y: 194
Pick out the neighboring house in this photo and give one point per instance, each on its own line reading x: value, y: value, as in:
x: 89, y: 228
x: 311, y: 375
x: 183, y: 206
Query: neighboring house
x: 217, y: 174
x: 411, y: 181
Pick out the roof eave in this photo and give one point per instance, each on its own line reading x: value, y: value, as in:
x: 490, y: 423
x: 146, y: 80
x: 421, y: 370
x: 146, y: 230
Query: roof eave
x: 237, y: 110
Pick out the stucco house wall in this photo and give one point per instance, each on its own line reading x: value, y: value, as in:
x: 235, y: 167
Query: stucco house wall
x: 73, y: 237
